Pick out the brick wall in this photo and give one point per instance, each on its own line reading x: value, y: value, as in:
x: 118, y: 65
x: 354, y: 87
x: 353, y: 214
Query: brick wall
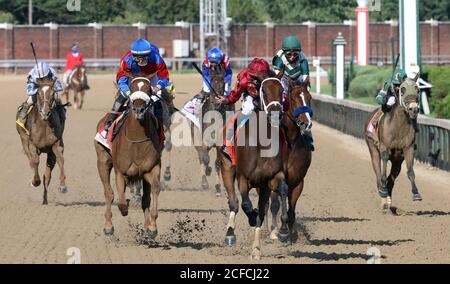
x: 263, y: 41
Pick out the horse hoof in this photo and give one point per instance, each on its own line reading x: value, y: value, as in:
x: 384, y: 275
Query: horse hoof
x: 152, y: 234
x: 63, y: 190
x: 417, y: 197
x: 230, y: 240
x: 218, y: 191
x: 256, y: 255
x: 108, y: 231
x: 123, y: 208
x: 283, y: 236
x: 45, y: 202
x: 383, y: 193
x: 35, y: 184
x: 252, y: 218
x: 205, y: 184
x: 208, y: 171
x: 274, y: 235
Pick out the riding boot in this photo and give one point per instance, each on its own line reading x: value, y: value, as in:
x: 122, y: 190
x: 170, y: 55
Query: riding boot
x: 309, y: 140
x: 23, y: 111
x: 158, y: 111
x: 118, y: 103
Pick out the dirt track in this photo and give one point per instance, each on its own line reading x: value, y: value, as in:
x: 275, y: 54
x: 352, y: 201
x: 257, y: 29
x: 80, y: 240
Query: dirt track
x: 339, y: 212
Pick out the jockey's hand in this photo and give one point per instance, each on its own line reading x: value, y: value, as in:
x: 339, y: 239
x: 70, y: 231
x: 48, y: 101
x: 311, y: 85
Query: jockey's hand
x: 222, y: 100
x: 156, y: 89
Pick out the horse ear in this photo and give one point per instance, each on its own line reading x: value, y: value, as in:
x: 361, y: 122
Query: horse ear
x: 307, y: 80
x: 417, y: 77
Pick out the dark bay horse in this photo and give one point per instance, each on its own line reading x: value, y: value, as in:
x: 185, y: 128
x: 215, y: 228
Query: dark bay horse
x: 135, y: 155
x: 396, y: 142
x: 210, y: 103
x: 296, y: 121
x: 77, y: 85
x: 253, y: 169
x: 44, y: 134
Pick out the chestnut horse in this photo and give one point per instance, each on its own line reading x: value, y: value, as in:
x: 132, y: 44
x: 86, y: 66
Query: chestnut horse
x: 397, y: 138
x: 135, y: 155
x: 44, y: 134
x: 253, y: 169
x: 296, y: 121
x: 78, y: 82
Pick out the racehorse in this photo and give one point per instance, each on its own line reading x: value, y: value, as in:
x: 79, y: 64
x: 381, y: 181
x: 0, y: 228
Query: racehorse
x: 296, y: 121
x: 210, y: 103
x: 44, y: 134
x: 77, y: 83
x: 396, y: 135
x: 135, y: 155
x: 252, y: 169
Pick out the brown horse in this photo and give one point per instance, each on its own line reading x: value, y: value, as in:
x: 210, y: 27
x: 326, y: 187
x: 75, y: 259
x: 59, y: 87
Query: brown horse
x: 135, y: 155
x: 78, y: 83
x: 296, y: 121
x: 210, y: 103
x: 44, y: 134
x: 396, y: 142
x: 254, y: 168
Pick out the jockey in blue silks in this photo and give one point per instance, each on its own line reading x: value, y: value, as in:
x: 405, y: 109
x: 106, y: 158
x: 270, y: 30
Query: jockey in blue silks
x: 142, y: 59
x: 41, y: 71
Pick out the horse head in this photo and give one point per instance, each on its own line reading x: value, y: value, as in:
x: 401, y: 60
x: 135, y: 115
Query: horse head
x: 300, y: 110
x: 80, y: 74
x: 140, y: 98
x: 45, y: 97
x: 270, y: 96
x: 217, y: 75
x: 409, y: 96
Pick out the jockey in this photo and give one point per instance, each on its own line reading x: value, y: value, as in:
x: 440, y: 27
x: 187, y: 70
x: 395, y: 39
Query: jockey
x: 73, y: 59
x: 247, y: 85
x: 214, y: 58
x: 293, y: 61
x: 40, y: 71
x: 385, y: 96
x: 143, y: 58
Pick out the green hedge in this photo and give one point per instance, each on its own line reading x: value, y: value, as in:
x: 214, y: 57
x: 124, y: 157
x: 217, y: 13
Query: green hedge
x: 439, y: 77
x: 368, y: 81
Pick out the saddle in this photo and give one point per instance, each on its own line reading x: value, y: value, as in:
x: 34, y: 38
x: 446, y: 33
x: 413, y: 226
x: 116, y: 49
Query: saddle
x: 57, y: 119
x: 232, y: 135
x: 373, y: 128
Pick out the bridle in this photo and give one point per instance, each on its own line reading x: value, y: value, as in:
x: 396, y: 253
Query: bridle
x: 261, y: 96
x: 305, y: 109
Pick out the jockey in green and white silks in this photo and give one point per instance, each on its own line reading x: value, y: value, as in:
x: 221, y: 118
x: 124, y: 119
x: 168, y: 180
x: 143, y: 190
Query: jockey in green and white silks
x: 293, y: 61
x: 385, y: 96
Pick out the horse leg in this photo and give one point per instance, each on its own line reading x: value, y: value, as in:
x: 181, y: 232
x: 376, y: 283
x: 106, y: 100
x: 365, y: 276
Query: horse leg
x: 294, y: 195
x: 264, y: 196
x: 247, y: 205
x: 384, y: 158
x: 274, y: 209
x: 228, y: 177
x: 34, y: 164
x: 168, y: 148
x: 217, y: 168
x: 51, y: 161
x: 283, y: 234
x: 81, y: 99
x: 120, y: 187
x: 203, y: 156
x: 395, y: 171
x: 146, y: 199
x: 376, y: 162
x: 104, y: 167
x: 58, y: 149
x: 153, y: 178
x: 409, y: 158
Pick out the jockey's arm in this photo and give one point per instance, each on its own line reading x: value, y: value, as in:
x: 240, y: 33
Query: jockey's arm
x: 380, y: 98
x: 235, y: 94
x: 162, y: 73
x: 122, y: 78
x: 31, y: 87
x: 228, y: 78
x: 58, y: 86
